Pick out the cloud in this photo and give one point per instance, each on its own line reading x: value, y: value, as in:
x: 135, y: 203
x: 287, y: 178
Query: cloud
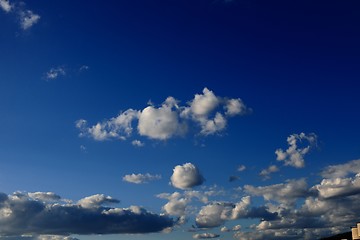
x: 217, y: 213
x: 177, y: 204
x: 338, y: 187
x: 137, y: 143
x: 265, y: 173
x: 286, y: 193
x: 202, y: 109
x: 5, y: 5
x: 118, y: 127
x: 161, y: 123
x: 140, y: 178
x: 44, y: 196
x: 20, y: 214
x: 186, y: 176
x: 342, y: 170
x: 205, y: 235
x: 28, y: 19
x: 170, y: 119
x: 241, y: 168
x: 54, y: 73
x: 294, y: 155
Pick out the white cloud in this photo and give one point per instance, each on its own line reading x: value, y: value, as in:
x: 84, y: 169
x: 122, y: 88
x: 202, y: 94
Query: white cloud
x: 224, y: 229
x: 341, y: 170
x: 28, y: 19
x: 286, y: 193
x: 140, y: 178
x: 5, y: 5
x: 265, y: 173
x: 236, y: 228
x: 202, y: 110
x: 44, y: 196
x: 161, y: 123
x: 137, y: 143
x: 168, y: 120
x: 217, y: 213
x: 338, y: 187
x: 186, y: 176
x: 55, y: 237
x: 241, y: 168
x: 234, y: 107
x: 54, y: 73
x: 119, y: 127
x: 294, y: 155
x: 177, y: 203
x: 205, y: 235
x: 95, y: 201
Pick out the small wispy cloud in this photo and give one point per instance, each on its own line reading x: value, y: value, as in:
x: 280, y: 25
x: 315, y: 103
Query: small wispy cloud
x: 5, y: 5
x: 265, y: 173
x: 137, y: 143
x: 141, y: 178
x: 55, y: 73
x: 27, y: 18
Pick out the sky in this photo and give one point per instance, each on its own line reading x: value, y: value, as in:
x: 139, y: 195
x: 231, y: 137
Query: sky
x: 201, y: 119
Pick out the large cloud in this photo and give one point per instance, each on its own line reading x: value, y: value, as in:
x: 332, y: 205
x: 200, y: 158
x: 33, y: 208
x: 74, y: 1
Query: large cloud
x: 294, y: 155
x: 286, y: 193
x: 215, y: 214
x: 26, y: 214
x: 186, y: 176
x: 169, y: 120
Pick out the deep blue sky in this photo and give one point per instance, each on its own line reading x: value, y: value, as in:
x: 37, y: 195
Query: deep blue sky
x: 294, y: 64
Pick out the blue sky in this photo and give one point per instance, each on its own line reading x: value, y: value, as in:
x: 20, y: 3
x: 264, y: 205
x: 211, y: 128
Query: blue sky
x: 179, y: 119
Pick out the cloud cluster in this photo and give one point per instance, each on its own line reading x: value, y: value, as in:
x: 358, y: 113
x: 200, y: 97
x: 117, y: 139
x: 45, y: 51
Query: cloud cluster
x: 46, y: 214
x: 186, y: 176
x: 294, y: 155
x: 206, y: 110
x: 140, y: 178
x: 326, y: 208
x: 27, y: 18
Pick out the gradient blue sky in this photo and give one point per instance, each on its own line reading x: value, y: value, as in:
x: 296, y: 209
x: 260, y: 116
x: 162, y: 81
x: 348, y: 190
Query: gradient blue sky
x: 293, y: 64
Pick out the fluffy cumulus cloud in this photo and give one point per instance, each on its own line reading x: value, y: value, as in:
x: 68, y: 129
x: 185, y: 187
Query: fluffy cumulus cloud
x: 202, y: 110
x: 27, y: 18
x: 170, y: 119
x: 285, y: 193
x: 205, y: 235
x: 27, y: 214
x: 140, y: 178
x: 186, y: 176
x: 118, y: 127
x: 294, y: 155
x: 342, y: 170
x: 161, y: 123
x: 217, y: 213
